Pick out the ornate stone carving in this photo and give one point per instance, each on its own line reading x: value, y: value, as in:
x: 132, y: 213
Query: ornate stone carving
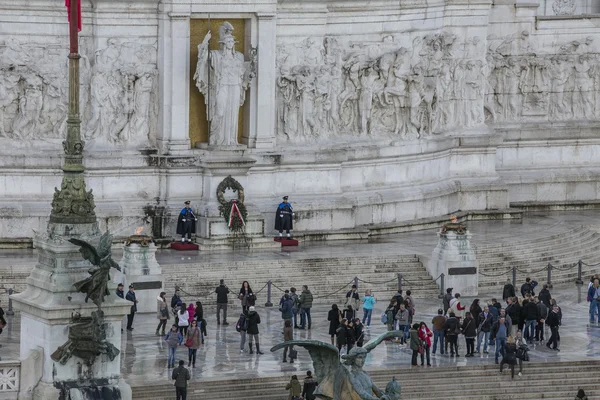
x: 328, y: 88
x: 72, y: 203
x: 525, y: 83
x: 564, y: 7
x: 118, y: 91
x: 223, y: 76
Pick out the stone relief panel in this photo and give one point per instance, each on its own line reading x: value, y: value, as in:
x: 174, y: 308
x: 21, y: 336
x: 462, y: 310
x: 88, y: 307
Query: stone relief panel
x: 329, y: 88
x: 525, y: 83
x: 118, y: 87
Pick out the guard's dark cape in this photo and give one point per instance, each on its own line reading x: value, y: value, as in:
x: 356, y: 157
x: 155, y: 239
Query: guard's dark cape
x: 286, y: 209
x: 180, y: 222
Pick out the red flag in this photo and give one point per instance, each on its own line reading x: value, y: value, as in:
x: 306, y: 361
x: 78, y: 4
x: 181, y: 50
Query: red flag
x: 68, y: 5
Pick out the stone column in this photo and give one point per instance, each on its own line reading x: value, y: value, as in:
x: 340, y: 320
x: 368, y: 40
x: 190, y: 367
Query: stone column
x: 265, y: 83
x: 454, y: 257
x: 174, y: 68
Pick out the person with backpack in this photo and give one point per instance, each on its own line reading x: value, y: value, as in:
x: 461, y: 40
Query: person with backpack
x: 242, y: 328
x: 253, y: 321
x: 334, y: 316
x: 174, y: 338
x: 295, y: 389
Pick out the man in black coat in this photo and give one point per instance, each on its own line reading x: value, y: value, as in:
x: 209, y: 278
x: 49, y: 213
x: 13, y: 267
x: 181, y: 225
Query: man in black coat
x: 514, y: 312
x: 508, y: 291
x: 222, y: 291
x: 284, y: 217
x: 528, y: 287
x: 186, y: 223
x: 545, y: 296
x: 252, y: 332
x: 553, y: 322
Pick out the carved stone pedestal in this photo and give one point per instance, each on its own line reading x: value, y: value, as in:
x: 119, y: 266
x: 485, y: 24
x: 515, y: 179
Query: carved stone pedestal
x: 140, y: 267
x: 47, y: 306
x: 454, y: 257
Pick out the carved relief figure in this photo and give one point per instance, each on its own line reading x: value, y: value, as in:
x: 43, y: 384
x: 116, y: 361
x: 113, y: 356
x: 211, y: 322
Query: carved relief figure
x: 583, y: 97
x: 226, y: 90
x: 564, y: 7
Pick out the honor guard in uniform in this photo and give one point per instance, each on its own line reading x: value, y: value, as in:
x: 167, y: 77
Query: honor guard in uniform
x: 186, y: 224
x: 283, y: 217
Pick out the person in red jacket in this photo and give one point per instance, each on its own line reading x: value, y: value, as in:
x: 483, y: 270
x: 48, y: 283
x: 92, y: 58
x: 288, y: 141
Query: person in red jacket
x: 425, y: 337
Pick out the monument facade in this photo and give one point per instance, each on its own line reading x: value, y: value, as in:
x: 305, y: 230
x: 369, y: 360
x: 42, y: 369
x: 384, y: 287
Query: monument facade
x: 365, y: 114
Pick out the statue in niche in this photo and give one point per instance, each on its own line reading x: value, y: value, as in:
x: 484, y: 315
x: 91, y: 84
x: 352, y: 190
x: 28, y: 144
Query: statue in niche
x: 225, y: 91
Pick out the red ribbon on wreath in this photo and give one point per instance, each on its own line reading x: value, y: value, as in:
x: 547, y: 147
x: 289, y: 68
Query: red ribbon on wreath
x: 235, y: 211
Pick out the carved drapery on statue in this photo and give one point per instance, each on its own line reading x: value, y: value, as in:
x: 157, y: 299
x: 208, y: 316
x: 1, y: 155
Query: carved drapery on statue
x: 234, y: 211
x: 223, y: 76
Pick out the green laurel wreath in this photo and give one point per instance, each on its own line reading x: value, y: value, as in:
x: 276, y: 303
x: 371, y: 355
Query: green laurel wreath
x: 236, y: 224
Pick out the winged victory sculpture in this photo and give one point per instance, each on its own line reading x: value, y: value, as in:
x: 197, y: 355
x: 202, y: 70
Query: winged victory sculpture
x: 345, y: 380
x: 96, y: 285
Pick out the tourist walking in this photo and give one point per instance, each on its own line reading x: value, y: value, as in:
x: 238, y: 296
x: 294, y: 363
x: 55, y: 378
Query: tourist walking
x: 403, y: 321
x: 414, y: 343
x: 183, y: 321
x: 469, y: 329
x: 222, y: 291
x: 447, y: 299
x: 475, y: 309
x: 295, y: 305
x: 553, y: 321
x: 499, y: 334
x: 191, y: 313
x: 334, y: 316
x: 594, y: 296
x: 438, y: 322
x: 246, y: 296
x: 294, y: 388
x: 425, y: 335
x: 508, y: 291
x: 305, y: 302
x: 513, y: 310
x: 368, y: 305
x: 176, y: 304
x: 353, y: 299
x: 174, y: 338
x: 309, y: 386
x: 485, y: 322
x: 528, y: 287
x: 192, y: 342
x: 242, y: 328
x: 199, y: 316
x: 288, y: 335
x: 253, y: 321
x: 130, y: 296
x: 350, y: 335
x: 410, y: 304
x: 452, y: 329
x: 181, y: 376
x: 342, y: 335
x: 510, y: 355
x: 162, y: 313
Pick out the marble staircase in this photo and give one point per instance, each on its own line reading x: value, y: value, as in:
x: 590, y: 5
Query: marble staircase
x: 549, y: 380
x: 532, y: 256
x: 327, y: 278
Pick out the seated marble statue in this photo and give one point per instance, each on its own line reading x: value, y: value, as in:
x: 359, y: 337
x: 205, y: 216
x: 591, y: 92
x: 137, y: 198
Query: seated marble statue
x: 347, y: 380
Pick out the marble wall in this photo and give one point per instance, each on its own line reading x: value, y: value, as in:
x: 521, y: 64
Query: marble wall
x: 363, y: 112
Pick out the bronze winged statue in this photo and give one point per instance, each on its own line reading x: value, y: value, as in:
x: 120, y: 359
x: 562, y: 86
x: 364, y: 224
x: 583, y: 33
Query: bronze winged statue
x: 96, y: 286
x: 347, y: 380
